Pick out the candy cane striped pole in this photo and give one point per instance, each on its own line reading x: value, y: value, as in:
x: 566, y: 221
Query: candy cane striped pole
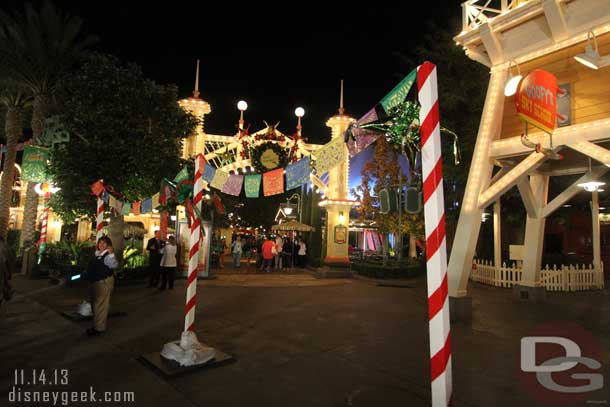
x: 436, y: 249
x: 99, y: 220
x: 43, y: 227
x: 191, y: 289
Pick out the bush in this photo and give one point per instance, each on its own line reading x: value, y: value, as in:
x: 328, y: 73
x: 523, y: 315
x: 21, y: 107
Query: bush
x: 394, y: 269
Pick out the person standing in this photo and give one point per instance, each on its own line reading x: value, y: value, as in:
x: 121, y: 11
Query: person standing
x: 101, y: 283
x: 6, y: 271
x: 302, y: 253
x: 267, y: 250
x: 279, y: 245
x: 168, y: 263
x: 154, y: 247
x: 236, y: 248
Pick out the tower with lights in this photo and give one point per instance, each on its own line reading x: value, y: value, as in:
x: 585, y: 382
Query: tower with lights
x: 194, y: 144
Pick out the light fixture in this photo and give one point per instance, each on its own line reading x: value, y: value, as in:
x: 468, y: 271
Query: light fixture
x: 591, y: 186
x: 513, y: 81
x: 341, y: 218
x: 242, y: 105
x: 591, y: 57
x: 288, y: 210
x: 299, y: 112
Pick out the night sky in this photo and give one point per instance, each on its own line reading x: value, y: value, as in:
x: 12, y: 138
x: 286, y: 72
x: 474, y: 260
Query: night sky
x: 275, y: 58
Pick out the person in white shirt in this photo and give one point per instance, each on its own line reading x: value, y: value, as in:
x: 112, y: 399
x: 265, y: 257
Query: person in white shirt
x: 237, y: 249
x: 302, y: 253
x: 168, y: 263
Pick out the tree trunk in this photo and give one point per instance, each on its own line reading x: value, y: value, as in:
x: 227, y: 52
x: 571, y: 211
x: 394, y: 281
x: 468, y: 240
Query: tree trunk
x: 30, y: 211
x: 115, y: 233
x: 412, y: 246
x: 13, y: 132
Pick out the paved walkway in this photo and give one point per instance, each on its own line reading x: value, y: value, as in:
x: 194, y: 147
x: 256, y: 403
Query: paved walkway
x: 342, y: 343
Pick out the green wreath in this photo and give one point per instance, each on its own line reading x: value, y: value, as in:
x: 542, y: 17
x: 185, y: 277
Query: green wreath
x: 268, y: 156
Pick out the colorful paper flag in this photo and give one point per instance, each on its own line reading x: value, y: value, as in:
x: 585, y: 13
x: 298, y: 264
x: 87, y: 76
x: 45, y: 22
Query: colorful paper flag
x: 155, y: 200
x: 119, y: 207
x: 208, y: 173
x: 233, y: 185
x: 135, y: 208
x: 146, y: 205
x: 329, y: 156
x: 273, y: 182
x: 297, y: 174
x: 220, y: 178
x: 253, y: 185
x: 126, y: 208
x: 112, y: 202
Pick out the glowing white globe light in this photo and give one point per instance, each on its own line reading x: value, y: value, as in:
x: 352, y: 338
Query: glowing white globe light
x: 242, y: 105
x: 299, y: 112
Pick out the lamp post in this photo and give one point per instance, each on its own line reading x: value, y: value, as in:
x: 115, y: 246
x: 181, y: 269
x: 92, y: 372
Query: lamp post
x: 289, y: 211
x: 242, y: 106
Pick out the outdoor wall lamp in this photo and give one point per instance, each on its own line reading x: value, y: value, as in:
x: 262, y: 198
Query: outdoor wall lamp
x: 341, y: 218
x: 591, y: 186
x: 513, y: 81
x: 591, y: 57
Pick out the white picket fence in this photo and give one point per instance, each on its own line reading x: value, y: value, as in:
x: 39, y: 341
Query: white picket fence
x: 563, y: 278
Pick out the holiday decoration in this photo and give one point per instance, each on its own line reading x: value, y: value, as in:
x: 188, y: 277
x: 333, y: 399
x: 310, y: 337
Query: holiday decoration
x: 297, y: 174
x: 233, y: 185
x: 329, y: 156
x: 252, y: 185
x: 34, y: 164
x: 436, y: 251
x: 268, y: 156
x: 273, y: 182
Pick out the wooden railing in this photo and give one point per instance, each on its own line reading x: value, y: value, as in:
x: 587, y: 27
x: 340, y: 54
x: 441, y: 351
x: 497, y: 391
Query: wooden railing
x: 562, y: 278
x: 477, y: 12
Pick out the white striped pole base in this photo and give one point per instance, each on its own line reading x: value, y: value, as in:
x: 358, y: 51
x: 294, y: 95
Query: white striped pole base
x: 436, y: 250
x: 99, y: 219
x: 194, y: 239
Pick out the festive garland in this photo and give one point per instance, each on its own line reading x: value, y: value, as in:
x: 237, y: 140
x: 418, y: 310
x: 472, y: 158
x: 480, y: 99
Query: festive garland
x: 257, y: 152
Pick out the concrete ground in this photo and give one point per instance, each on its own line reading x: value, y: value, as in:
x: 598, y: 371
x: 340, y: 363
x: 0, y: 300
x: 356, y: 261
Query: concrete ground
x: 296, y: 340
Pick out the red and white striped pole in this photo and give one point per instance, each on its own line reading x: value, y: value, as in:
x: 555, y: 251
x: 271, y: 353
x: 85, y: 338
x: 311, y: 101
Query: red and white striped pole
x: 436, y: 249
x: 43, y: 227
x: 99, y: 219
x: 191, y: 289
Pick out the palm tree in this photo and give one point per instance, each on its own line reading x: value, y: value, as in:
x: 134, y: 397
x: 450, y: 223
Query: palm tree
x: 15, y: 102
x: 38, y: 49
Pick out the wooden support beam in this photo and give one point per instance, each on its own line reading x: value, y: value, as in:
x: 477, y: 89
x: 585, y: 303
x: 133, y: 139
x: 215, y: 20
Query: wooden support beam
x: 492, y: 44
x: 553, y: 12
x: 592, y: 150
x: 572, y: 190
x: 527, y: 195
x: 533, y: 161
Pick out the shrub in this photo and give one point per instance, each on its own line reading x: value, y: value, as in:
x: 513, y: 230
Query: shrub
x: 394, y: 269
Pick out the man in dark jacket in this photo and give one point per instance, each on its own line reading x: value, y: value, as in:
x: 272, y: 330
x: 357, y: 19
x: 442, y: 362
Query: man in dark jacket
x: 154, y: 247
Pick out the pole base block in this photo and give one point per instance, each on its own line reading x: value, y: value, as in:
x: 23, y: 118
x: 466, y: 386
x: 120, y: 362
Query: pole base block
x: 460, y: 309
x: 535, y: 295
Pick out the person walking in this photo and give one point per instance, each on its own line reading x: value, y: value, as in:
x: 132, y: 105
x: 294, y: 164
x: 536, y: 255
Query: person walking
x: 302, y: 253
x: 168, y: 263
x: 236, y: 248
x: 154, y: 247
x: 101, y: 283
